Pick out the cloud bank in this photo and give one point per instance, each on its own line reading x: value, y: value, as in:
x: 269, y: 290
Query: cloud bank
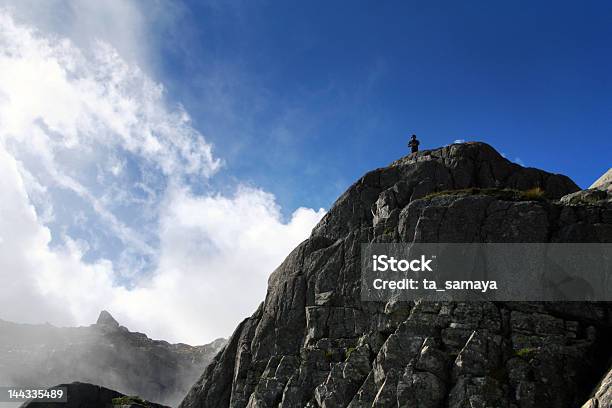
x: 106, y: 203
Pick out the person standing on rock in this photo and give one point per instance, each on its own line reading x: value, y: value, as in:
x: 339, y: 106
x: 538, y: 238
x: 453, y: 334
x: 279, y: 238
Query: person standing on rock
x: 413, y: 144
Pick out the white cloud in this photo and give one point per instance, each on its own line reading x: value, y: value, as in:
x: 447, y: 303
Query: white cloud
x: 93, y: 157
x: 55, y: 98
x: 35, y: 282
x: 215, y: 256
x: 120, y: 23
x: 62, y: 111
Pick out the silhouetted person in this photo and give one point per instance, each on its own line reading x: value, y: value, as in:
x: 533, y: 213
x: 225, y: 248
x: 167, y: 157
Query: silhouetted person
x: 413, y: 144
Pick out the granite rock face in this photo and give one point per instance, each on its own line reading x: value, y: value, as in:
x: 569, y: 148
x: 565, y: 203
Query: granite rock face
x: 104, y: 353
x: 314, y: 343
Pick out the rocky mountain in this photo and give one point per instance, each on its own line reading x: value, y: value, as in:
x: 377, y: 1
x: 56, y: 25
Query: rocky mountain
x: 104, y: 353
x: 83, y: 395
x: 314, y: 343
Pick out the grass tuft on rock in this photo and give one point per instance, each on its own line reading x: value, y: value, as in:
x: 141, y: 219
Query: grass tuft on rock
x: 129, y: 400
x: 506, y: 194
x: 526, y: 352
x: 533, y: 194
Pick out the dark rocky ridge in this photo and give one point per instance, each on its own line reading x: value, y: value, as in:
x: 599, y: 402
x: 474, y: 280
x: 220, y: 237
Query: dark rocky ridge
x: 314, y: 343
x: 83, y: 395
x: 104, y: 353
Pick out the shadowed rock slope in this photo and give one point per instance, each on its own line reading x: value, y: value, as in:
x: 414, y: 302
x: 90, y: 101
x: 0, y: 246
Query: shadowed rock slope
x: 314, y: 343
x: 83, y: 395
x: 104, y: 353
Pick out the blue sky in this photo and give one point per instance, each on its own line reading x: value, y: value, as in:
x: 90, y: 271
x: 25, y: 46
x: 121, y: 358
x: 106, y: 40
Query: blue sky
x: 160, y: 159
x: 315, y: 94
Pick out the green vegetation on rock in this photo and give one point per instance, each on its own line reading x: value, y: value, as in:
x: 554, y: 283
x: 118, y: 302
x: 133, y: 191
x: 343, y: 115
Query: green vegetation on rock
x: 129, y: 400
x: 533, y: 194
x: 525, y: 352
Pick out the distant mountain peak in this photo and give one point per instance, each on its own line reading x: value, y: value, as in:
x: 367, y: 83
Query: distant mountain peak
x: 106, y: 319
x: 103, y: 353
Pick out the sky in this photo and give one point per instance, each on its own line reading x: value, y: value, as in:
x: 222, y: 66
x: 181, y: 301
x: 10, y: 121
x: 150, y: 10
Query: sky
x: 160, y: 159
